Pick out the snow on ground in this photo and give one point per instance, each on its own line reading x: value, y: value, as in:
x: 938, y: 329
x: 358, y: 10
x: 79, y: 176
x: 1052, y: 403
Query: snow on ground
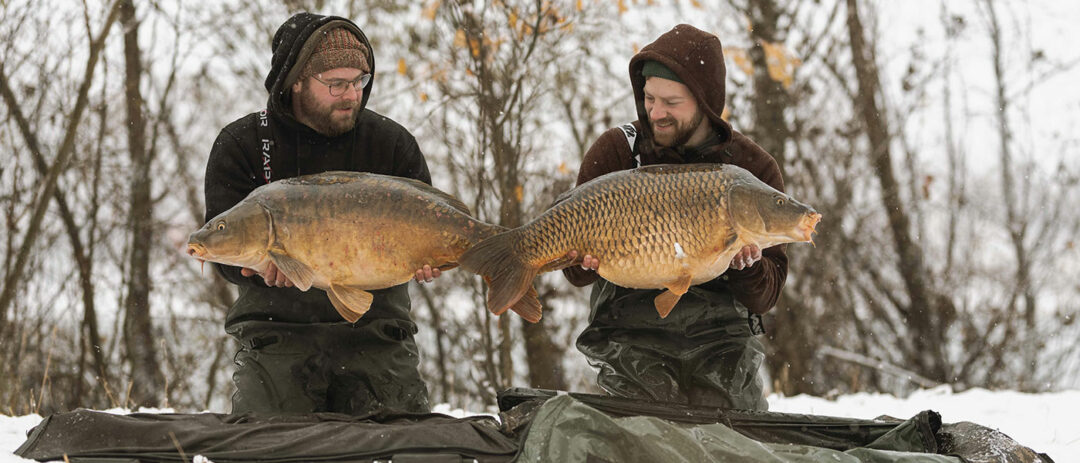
x: 1045, y: 422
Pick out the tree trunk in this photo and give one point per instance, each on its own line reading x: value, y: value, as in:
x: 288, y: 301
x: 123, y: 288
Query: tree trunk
x: 789, y: 339
x: 146, y: 377
x: 920, y: 313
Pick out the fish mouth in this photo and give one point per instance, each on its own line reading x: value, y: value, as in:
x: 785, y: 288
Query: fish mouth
x: 197, y: 251
x: 807, y: 226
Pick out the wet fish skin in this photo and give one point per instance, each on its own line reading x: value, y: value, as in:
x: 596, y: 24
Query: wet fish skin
x: 660, y: 226
x: 342, y: 232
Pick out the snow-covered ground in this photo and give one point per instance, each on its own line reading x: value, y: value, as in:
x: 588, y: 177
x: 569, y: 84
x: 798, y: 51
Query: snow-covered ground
x: 1044, y: 422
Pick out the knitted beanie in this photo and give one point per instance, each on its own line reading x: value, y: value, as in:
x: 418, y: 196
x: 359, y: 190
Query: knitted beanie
x: 657, y: 69
x: 338, y: 48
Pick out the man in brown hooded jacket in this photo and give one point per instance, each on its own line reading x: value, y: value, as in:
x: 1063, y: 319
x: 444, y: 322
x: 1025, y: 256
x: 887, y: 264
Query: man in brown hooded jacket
x: 705, y: 352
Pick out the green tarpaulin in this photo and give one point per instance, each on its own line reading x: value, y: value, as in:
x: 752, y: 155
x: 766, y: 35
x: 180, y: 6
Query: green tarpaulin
x: 534, y: 426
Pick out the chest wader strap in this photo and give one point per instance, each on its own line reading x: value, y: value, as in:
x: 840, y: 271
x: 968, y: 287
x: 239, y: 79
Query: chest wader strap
x: 757, y: 326
x: 631, y: 138
x: 266, y: 144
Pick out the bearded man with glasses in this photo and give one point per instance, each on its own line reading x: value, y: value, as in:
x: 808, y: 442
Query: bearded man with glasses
x: 296, y: 353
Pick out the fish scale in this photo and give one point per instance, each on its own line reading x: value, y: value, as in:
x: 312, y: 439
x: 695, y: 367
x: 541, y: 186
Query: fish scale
x: 660, y: 226
x: 343, y: 232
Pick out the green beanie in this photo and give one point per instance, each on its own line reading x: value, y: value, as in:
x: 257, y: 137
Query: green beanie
x: 657, y: 69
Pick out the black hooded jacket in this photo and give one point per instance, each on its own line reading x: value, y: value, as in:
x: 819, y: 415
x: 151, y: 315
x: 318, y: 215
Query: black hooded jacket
x: 241, y: 161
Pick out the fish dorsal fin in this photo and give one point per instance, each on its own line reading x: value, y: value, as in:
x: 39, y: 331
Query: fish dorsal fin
x: 450, y: 199
x: 351, y: 302
x: 298, y: 272
x: 656, y: 169
x: 337, y: 176
x: 667, y: 299
x: 564, y: 196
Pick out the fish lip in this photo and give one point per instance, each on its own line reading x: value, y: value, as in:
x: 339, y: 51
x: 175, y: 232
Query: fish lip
x: 807, y: 226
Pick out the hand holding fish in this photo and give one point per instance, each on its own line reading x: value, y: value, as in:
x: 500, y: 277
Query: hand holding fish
x: 746, y: 257
x: 588, y: 262
x: 427, y: 274
x: 272, y: 276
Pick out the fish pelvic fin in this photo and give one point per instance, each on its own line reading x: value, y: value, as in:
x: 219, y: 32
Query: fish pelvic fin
x: 298, y: 272
x: 667, y: 299
x: 351, y: 302
x: 508, y: 277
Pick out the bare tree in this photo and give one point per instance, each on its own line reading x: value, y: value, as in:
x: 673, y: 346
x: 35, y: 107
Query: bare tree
x: 139, y: 339
x: 48, y: 184
x: 925, y: 311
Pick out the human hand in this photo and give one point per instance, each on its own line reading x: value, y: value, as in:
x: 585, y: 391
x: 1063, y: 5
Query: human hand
x: 272, y: 276
x: 746, y: 257
x: 427, y: 274
x: 588, y: 262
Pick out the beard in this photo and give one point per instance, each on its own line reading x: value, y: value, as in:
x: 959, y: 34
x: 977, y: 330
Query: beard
x: 323, y: 118
x: 682, y: 132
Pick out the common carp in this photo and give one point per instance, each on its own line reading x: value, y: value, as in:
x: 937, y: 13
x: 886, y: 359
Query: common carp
x: 659, y: 226
x: 345, y: 233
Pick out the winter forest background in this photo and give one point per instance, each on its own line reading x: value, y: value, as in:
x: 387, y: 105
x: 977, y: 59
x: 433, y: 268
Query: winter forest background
x: 935, y: 137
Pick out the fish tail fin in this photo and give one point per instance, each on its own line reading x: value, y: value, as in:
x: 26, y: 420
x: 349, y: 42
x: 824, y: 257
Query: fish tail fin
x: 528, y: 307
x: 508, y: 277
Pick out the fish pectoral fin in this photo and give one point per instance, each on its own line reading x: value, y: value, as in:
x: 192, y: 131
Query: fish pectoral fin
x: 298, y: 272
x: 667, y: 299
x: 447, y: 266
x: 351, y: 302
x: 731, y: 239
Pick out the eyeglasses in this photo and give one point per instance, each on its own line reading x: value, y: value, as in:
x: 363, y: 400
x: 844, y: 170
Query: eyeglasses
x: 339, y: 86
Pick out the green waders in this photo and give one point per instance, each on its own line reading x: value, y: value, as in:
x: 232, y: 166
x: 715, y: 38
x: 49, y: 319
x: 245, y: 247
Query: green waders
x: 704, y: 353
x: 322, y: 366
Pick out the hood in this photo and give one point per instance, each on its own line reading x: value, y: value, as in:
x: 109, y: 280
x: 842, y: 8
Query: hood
x: 697, y: 58
x: 293, y: 45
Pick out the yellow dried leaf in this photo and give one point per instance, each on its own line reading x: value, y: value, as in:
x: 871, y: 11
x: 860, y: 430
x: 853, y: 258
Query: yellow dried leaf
x: 740, y: 58
x: 474, y: 46
x: 781, y: 62
x: 423, y: 96
x: 401, y: 67
x: 459, y: 39
x: 563, y: 169
x: 579, y: 6
x: 696, y: 4
x: 519, y: 193
x: 622, y: 6
x: 431, y: 9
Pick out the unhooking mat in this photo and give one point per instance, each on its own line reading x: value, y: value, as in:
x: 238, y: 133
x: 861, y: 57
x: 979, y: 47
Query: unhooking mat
x: 534, y: 426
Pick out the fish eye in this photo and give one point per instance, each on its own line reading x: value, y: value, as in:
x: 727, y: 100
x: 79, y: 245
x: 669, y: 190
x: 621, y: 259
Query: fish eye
x: 780, y: 201
x: 221, y: 226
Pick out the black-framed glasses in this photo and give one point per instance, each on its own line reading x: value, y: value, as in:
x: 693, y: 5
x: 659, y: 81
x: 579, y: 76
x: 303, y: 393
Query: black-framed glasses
x: 339, y: 86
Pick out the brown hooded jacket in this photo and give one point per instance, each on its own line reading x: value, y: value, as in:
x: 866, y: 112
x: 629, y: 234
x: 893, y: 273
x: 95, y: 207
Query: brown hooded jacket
x: 697, y: 58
